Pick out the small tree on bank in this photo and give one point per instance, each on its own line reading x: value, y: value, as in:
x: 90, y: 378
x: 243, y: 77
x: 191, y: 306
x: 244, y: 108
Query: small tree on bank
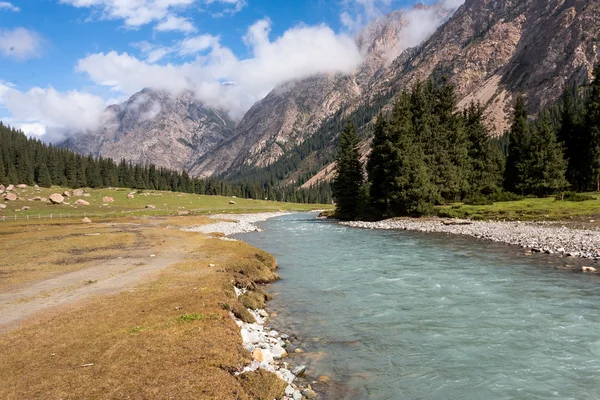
x: 349, y: 180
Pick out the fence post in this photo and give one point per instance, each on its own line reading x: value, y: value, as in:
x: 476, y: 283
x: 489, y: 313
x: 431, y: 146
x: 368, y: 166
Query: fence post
x: 39, y: 216
x: 28, y: 218
x: 50, y: 216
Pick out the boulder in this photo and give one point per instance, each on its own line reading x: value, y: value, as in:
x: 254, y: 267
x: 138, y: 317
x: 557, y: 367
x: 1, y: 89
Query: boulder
x: 22, y: 186
x: 278, y: 352
x: 588, y: 269
x: 2, y: 188
x: 2, y: 206
x: 37, y: 198
x: 78, y: 192
x: 56, y: 198
x: 309, y: 394
x: 86, y: 195
x: 299, y: 370
x: 25, y: 208
x: 86, y: 220
x: 66, y: 193
x: 150, y: 207
x: 36, y: 187
x: 130, y: 196
x: 232, y: 202
x: 81, y: 202
x: 10, y: 188
x: 43, y: 199
x: 107, y: 199
x: 10, y: 197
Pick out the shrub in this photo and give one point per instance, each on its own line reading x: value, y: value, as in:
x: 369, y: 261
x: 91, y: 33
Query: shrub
x: 502, y: 196
x: 573, y: 196
x: 478, y: 200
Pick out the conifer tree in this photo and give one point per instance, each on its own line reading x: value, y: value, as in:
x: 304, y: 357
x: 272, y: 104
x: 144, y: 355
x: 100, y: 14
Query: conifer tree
x: 542, y: 168
x: 486, y: 160
x: 518, y: 141
x: 592, y: 132
x: 349, y: 177
x: 43, y: 176
x: 572, y: 139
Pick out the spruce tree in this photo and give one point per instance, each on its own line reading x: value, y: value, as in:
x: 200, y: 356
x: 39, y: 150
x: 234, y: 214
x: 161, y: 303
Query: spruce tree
x: 43, y: 176
x: 349, y: 177
x: 518, y: 141
x: 572, y: 139
x: 485, y: 159
x: 542, y: 168
x: 592, y: 132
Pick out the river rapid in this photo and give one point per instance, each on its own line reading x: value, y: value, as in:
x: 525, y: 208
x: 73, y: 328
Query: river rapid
x: 408, y: 315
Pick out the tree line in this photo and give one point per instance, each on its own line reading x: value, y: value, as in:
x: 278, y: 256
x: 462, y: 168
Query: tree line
x: 31, y: 161
x: 426, y: 152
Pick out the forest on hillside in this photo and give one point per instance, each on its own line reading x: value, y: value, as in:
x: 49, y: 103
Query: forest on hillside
x: 31, y: 161
x: 426, y: 152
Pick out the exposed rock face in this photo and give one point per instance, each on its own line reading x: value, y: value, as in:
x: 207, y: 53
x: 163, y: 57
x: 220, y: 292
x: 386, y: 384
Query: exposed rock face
x: 492, y: 50
x: 156, y: 127
x: 295, y: 110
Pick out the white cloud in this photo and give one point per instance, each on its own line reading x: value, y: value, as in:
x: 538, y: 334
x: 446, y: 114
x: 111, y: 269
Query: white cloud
x: 173, y: 23
x: 166, y: 14
x: 39, y: 110
x: 300, y: 52
x: 6, y: 6
x: 20, y: 44
x: 423, y: 22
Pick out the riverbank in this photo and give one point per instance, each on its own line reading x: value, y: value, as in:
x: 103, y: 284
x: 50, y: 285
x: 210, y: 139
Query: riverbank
x: 539, y: 237
x: 232, y: 224
x: 269, y: 348
x: 166, y: 332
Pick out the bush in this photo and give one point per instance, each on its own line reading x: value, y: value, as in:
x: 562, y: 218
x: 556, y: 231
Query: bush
x: 572, y: 196
x: 478, y: 200
x: 502, y: 196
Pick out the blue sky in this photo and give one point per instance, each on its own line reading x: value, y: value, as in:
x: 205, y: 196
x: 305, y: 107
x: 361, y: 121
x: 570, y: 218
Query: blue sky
x: 63, y: 61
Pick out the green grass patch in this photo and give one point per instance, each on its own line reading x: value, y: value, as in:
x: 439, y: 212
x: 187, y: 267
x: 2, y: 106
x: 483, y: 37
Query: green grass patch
x: 164, y: 203
x: 190, y: 317
x: 528, y: 209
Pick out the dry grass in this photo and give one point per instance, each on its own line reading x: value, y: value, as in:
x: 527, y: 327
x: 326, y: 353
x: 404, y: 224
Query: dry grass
x: 171, y: 337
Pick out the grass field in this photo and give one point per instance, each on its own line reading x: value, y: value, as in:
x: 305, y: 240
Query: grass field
x: 166, y: 203
x: 166, y: 334
x: 529, y: 209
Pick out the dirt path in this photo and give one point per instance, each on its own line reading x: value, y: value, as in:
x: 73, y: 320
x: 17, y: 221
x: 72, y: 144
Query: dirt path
x: 102, y: 278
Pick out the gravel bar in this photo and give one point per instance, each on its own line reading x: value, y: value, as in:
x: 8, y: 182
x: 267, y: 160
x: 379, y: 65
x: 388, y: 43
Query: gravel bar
x: 540, y: 237
x: 232, y: 224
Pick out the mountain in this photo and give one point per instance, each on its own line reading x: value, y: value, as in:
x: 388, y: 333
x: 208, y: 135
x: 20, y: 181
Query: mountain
x: 491, y: 50
x: 296, y: 110
x: 156, y: 127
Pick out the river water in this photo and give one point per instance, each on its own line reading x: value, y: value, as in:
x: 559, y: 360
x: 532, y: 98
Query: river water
x: 401, y: 315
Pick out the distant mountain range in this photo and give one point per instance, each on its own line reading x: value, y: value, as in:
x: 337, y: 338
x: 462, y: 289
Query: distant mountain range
x: 490, y: 50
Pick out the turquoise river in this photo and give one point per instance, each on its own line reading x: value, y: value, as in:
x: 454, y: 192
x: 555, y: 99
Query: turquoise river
x: 401, y: 315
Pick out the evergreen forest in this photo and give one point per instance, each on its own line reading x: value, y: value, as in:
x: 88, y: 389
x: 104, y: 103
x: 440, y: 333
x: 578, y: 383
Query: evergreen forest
x: 426, y: 152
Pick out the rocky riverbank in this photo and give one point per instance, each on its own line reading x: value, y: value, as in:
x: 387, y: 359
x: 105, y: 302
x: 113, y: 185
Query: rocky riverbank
x: 269, y: 349
x: 232, y: 224
x: 539, y: 237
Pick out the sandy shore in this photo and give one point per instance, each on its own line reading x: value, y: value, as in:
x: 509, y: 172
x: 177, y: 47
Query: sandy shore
x: 540, y: 237
x: 232, y: 224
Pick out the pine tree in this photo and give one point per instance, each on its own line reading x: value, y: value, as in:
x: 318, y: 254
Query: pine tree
x: 518, y: 138
x: 485, y: 159
x: 542, y: 168
x: 378, y: 166
x: 592, y: 132
x: 43, y: 176
x: 573, y: 141
x: 349, y: 177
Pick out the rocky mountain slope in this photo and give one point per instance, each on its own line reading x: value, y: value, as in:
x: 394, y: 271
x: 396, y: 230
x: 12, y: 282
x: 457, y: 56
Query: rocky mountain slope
x: 489, y: 49
x: 295, y: 110
x: 156, y: 127
x: 492, y: 50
